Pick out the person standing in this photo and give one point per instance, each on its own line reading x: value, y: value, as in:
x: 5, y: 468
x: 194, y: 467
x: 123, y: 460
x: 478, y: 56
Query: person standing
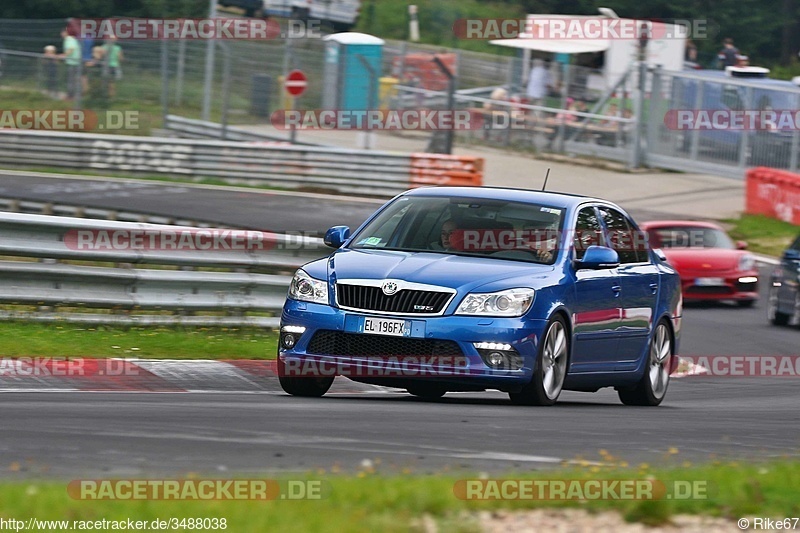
x: 113, y: 54
x: 71, y: 54
x: 729, y: 55
x: 51, y: 71
x: 538, y: 82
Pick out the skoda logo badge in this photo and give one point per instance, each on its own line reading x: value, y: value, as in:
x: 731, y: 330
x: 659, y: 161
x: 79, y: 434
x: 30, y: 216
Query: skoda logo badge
x: 389, y: 288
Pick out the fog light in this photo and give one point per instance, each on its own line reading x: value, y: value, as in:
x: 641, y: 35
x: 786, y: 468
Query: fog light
x: 748, y: 279
x: 290, y: 335
x: 495, y: 358
x: 289, y: 341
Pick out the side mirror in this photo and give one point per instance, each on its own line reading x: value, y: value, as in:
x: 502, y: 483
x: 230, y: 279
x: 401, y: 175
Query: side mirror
x: 741, y: 245
x: 791, y: 255
x: 336, y: 236
x: 598, y: 258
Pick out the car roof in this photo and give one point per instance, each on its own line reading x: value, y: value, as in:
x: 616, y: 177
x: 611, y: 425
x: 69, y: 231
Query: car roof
x: 717, y: 74
x: 555, y: 199
x: 679, y: 223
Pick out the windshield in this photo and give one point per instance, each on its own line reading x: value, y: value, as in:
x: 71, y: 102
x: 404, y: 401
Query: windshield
x: 689, y: 237
x: 466, y: 226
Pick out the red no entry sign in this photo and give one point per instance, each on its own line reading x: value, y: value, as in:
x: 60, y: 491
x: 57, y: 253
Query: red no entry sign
x: 295, y: 83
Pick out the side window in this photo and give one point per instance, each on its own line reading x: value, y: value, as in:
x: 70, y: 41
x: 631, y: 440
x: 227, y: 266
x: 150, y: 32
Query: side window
x: 588, y: 231
x: 629, y: 245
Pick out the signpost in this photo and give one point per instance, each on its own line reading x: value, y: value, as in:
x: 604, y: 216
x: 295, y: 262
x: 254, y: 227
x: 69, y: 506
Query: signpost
x: 295, y: 85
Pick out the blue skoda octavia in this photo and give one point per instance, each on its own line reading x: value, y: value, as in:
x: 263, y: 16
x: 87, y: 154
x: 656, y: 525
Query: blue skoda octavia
x: 473, y: 288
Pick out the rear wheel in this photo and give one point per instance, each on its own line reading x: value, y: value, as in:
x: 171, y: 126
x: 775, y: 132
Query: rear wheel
x: 652, y: 388
x: 775, y: 316
x: 551, y: 368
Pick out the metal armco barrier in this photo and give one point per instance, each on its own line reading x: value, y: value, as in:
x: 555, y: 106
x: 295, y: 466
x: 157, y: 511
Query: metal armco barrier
x: 223, y: 273
x: 190, y: 128
x: 774, y: 193
x: 364, y: 172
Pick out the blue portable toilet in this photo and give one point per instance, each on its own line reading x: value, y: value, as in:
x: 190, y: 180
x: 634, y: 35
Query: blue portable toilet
x: 348, y: 81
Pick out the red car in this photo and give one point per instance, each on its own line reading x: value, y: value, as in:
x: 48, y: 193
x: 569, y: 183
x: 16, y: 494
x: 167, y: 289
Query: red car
x: 711, y: 265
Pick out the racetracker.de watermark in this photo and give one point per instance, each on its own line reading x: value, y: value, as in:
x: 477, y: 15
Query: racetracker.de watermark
x: 579, y: 489
x: 730, y: 119
x: 199, y: 29
x: 503, y: 118
x: 377, y: 367
x: 68, y: 119
x: 581, y: 28
x: 738, y: 366
x: 65, y: 367
x: 198, y: 489
x: 185, y: 240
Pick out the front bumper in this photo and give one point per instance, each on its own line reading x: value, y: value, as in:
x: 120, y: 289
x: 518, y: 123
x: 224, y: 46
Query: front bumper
x: 727, y: 286
x: 462, y: 367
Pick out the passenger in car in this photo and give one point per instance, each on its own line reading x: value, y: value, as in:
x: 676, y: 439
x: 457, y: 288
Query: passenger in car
x: 444, y: 243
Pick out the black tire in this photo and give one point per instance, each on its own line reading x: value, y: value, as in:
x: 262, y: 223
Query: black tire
x: 306, y: 387
x: 745, y: 303
x: 659, y: 357
x: 427, y: 391
x: 536, y: 392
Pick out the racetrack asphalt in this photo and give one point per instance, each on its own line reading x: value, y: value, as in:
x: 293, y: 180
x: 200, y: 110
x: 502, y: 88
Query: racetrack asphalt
x: 127, y: 434
x: 703, y: 418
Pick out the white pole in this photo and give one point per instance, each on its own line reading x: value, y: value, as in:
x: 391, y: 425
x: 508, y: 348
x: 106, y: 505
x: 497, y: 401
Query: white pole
x: 209, y: 79
x: 413, y: 23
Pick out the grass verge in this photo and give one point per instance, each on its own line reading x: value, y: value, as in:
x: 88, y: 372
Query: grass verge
x: 74, y: 340
x: 397, y: 501
x: 764, y: 235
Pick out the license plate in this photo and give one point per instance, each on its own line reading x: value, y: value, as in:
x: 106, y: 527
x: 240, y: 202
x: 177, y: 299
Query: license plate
x: 709, y: 282
x: 385, y: 326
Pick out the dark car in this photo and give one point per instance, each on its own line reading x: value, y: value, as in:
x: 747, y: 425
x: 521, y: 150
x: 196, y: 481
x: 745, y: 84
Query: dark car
x: 784, y: 294
x: 479, y: 288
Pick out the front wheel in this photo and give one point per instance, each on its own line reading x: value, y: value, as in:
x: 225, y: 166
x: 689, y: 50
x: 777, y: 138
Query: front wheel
x: 551, y: 368
x: 652, y: 388
x: 306, y: 387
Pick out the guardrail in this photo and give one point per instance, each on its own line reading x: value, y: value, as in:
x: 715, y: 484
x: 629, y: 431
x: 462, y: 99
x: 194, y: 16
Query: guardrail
x: 91, y: 271
x: 363, y: 172
x: 189, y: 128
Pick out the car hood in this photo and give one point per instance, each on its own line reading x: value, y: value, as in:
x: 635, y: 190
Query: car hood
x: 702, y: 259
x: 445, y: 270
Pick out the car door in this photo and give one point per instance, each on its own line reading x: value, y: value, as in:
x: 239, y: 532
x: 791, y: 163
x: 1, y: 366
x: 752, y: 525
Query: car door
x: 597, y: 309
x: 638, y: 278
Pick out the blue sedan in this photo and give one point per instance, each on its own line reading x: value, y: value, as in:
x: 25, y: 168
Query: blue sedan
x: 784, y: 295
x: 472, y: 288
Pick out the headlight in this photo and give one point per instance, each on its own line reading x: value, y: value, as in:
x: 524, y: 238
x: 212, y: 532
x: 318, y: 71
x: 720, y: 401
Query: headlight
x: 512, y: 302
x: 747, y: 262
x: 308, y: 289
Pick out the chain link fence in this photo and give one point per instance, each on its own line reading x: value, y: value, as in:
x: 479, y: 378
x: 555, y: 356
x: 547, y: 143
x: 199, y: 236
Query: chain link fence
x: 580, y: 114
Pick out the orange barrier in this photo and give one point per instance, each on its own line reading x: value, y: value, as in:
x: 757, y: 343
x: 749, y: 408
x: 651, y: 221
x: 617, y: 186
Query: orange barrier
x: 441, y: 169
x: 774, y: 193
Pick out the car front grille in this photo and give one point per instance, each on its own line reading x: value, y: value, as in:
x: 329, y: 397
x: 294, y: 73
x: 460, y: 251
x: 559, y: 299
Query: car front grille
x: 326, y: 342
x: 404, y: 301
